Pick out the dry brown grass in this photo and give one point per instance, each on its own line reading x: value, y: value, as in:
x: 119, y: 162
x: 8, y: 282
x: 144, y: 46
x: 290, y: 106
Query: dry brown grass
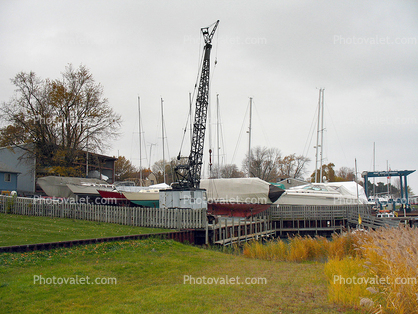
x: 391, y: 257
x: 300, y: 249
x: 377, y: 269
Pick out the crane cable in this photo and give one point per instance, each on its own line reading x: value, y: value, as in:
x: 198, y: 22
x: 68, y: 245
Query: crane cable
x: 201, y: 58
x: 193, y: 97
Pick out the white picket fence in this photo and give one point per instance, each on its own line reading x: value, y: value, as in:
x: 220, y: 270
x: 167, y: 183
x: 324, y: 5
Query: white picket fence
x: 173, y: 218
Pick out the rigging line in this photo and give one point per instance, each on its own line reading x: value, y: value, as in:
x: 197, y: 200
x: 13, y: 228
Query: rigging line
x: 240, y: 134
x: 169, y: 162
x: 224, y: 155
x: 221, y: 136
x: 216, y: 55
x: 212, y: 73
x: 132, y: 140
x: 336, y: 133
x: 262, y: 128
x: 311, y: 134
x: 184, y: 131
x: 166, y: 141
x: 217, y: 44
x: 143, y: 140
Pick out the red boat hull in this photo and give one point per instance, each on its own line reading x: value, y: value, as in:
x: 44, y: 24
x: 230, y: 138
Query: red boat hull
x: 236, y: 209
x: 113, y: 197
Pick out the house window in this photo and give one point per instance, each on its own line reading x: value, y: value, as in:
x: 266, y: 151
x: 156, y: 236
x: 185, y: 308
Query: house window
x: 7, y: 177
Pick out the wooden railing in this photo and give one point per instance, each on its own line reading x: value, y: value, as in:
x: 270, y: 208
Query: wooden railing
x: 318, y: 212
x: 227, y: 231
x: 172, y: 218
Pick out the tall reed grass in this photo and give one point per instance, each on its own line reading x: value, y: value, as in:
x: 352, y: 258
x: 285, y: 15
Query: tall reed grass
x: 375, y: 269
x: 299, y: 249
x: 389, y: 264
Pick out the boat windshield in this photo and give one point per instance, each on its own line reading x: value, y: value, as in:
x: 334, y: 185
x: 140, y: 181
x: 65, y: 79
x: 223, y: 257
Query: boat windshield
x: 315, y: 188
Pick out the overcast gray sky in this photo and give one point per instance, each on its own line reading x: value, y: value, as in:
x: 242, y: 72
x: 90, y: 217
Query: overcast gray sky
x: 364, y: 53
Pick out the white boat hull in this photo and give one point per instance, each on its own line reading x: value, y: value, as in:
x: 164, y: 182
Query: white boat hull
x: 326, y: 194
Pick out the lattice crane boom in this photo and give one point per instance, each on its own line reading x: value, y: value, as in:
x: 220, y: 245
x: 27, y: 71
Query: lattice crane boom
x: 188, y: 176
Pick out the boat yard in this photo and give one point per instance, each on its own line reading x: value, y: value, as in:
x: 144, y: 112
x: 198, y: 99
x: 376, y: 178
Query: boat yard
x: 276, y: 221
x: 218, y: 210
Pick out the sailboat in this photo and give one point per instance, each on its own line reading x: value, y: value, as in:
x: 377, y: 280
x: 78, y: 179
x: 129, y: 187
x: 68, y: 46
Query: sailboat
x: 239, y: 197
x: 139, y: 195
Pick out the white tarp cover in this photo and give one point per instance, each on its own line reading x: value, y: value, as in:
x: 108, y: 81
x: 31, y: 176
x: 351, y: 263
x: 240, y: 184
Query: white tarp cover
x: 57, y: 186
x: 237, y: 190
x: 159, y: 186
x: 351, y: 187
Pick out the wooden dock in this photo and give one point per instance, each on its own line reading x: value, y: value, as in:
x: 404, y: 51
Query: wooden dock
x: 324, y: 220
x: 227, y: 231
x: 277, y: 221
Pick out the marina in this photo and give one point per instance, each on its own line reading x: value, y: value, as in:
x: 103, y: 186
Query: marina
x: 218, y: 211
x: 277, y: 221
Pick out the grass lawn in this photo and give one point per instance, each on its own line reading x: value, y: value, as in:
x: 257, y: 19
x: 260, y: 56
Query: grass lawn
x: 19, y: 229
x: 150, y: 279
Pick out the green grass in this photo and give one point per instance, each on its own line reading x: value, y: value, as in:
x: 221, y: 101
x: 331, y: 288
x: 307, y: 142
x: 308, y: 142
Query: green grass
x: 150, y: 279
x: 20, y: 230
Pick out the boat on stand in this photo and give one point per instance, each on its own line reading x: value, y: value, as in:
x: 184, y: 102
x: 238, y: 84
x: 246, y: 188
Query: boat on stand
x: 239, y: 197
x: 327, y: 194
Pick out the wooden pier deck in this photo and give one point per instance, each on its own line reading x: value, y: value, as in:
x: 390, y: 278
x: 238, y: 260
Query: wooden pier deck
x: 277, y: 221
x: 323, y: 220
x: 227, y: 231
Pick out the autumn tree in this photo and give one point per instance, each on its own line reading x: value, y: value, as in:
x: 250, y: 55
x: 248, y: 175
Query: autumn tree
x: 292, y: 166
x: 159, y: 167
x: 231, y: 171
x: 226, y: 171
x: 328, y: 173
x: 263, y: 163
x: 59, y: 118
x: 124, y: 169
x: 345, y: 174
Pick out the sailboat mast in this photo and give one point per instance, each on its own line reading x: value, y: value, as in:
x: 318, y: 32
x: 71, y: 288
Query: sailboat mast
x: 317, y: 138
x: 374, y: 169
x: 249, y: 138
x: 140, y: 142
x: 162, y: 132
x: 210, y: 139
x: 388, y: 178
x: 355, y: 178
x: 322, y: 133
